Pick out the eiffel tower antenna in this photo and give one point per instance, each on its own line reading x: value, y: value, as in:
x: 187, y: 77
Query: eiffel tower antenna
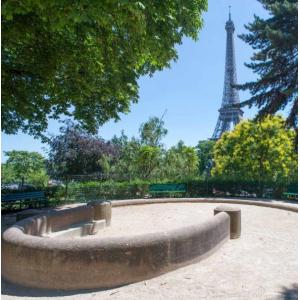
x: 165, y: 112
x: 230, y: 113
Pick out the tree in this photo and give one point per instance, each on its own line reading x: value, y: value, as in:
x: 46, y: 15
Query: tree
x: 275, y: 60
x: 140, y: 158
x: 83, y: 59
x: 257, y: 151
x: 7, y: 174
x: 126, y: 164
x: 152, y: 132
x: 205, y: 154
x: 181, y: 162
x: 147, y: 160
x: 76, y: 152
x: 39, y: 178
x: 24, y: 163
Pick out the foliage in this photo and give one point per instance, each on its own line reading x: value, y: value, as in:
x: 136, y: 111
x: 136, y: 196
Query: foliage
x: 107, y: 190
x: 205, y: 154
x: 197, y: 187
x: 7, y: 174
x: 84, y: 58
x: 152, y: 132
x: 24, y: 164
x: 126, y: 167
x: 181, y: 162
x: 141, y: 158
x: 75, y: 152
x: 275, y: 60
x: 147, y: 161
x: 257, y: 151
x: 39, y: 178
x: 138, y: 159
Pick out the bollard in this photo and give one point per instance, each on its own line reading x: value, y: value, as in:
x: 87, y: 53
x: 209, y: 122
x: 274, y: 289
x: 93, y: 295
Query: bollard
x: 235, y: 219
x: 102, y: 211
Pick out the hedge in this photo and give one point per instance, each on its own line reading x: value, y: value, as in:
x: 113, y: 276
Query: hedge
x: 113, y: 190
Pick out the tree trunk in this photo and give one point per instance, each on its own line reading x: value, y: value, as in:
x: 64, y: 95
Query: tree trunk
x: 261, y: 179
x: 66, y: 189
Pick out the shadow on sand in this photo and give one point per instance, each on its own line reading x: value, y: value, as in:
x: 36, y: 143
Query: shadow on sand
x: 290, y: 293
x: 11, y: 289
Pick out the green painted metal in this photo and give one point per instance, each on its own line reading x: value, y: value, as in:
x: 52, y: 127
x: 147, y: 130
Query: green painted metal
x: 291, y: 196
x: 23, y: 200
x: 23, y: 196
x: 168, y: 188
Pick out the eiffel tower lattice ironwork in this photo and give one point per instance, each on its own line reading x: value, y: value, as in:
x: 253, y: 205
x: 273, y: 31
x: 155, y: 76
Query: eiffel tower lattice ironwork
x: 230, y: 112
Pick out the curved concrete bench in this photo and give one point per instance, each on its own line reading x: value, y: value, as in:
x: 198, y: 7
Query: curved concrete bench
x: 32, y: 260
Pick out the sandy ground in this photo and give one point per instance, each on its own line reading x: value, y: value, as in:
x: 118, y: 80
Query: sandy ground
x: 262, y: 264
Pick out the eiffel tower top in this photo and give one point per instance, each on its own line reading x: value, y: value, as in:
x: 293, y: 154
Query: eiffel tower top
x: 230, y: 94
x: 229, y: 24
x: 230, y: 113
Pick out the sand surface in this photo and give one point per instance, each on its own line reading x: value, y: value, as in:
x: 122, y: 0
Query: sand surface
x: 141, y: 219
x: 262, y: 264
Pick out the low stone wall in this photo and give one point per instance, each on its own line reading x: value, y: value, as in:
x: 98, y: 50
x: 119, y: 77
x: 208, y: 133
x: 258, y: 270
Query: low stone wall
x: 264, y: 203
x: 56, y: 221
x: 81, y: 263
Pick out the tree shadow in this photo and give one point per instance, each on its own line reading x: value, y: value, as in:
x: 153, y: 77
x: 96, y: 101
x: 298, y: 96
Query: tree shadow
x: 11, y: 289
x: 290, y: 293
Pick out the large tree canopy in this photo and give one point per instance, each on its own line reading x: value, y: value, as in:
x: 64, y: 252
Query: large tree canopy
x: 259, y: 151
x: 205, y: 155
x: 76, y: 152
x: 24, y: 164
x: 275, y: 41
x: 152, y: 132
x: 83, y: 58
x: 181, y: 162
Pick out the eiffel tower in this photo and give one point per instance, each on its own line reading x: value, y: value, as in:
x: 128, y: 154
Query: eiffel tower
x: 230, y: 112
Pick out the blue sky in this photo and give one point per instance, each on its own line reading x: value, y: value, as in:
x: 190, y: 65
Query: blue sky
x: 190, y: 91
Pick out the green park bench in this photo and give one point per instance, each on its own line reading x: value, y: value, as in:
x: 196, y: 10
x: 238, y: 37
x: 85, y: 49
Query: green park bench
x: 290, y: 196
x: 23, y: 200
x: 167, y: 188
x: 292, y: 193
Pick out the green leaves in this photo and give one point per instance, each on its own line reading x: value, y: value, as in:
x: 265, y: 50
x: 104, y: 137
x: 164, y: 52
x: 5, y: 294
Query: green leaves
x: 152, y: 132
x: 85, y: 57
x: 205, y: 154
x: 147, y: 160
x: 275, y: 41
x: 181, y: 162
x: 260, y: 151
x: 24, y: 164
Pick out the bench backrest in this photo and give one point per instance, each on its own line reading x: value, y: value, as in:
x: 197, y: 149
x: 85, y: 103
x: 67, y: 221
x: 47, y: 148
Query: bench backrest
x: 23, y: 196
x: 167, y: 187
x: 293, y: 188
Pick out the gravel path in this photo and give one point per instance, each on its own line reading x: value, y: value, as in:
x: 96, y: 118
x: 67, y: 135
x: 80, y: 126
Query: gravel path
x: 262, y: 264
